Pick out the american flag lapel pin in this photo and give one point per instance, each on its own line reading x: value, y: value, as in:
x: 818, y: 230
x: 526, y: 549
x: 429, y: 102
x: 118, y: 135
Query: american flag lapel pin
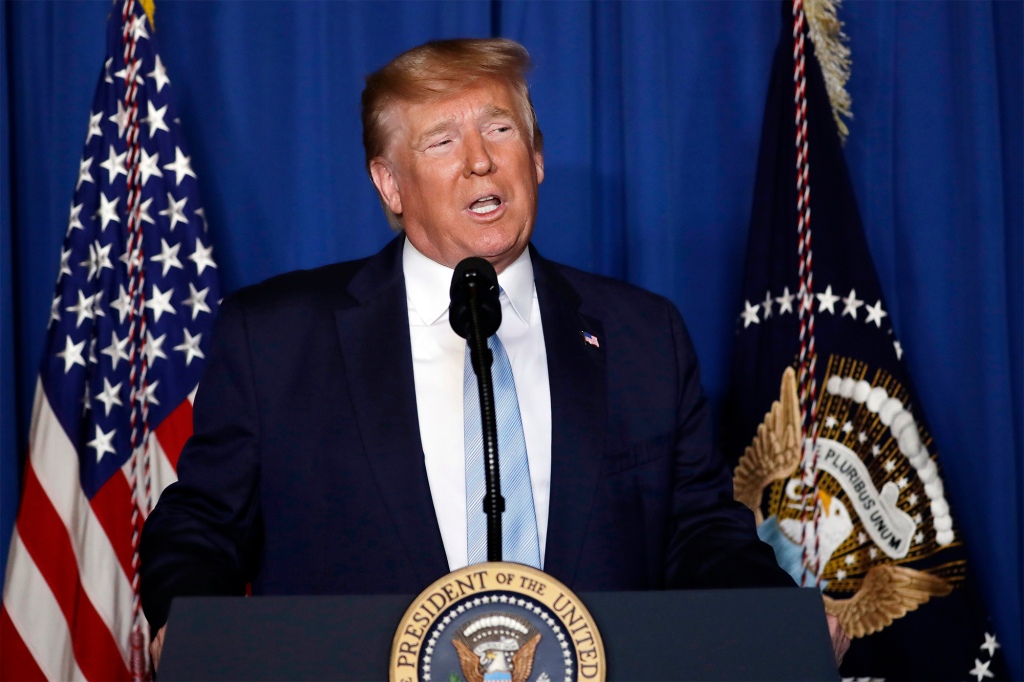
x: 590, y: 339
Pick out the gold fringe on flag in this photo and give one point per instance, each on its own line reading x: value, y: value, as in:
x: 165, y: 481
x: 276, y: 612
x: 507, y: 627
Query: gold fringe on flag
x: 833, y: 55
x: 150, y: 7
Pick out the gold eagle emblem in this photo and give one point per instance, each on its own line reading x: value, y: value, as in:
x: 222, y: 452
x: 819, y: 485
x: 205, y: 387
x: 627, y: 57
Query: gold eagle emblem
x: 887, y: 592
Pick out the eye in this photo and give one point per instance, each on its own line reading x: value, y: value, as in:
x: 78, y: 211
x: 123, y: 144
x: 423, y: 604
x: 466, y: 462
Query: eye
x: 441, y: 143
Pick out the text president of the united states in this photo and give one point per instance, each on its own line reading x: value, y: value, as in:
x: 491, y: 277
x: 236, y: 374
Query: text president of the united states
x: 329, y: 452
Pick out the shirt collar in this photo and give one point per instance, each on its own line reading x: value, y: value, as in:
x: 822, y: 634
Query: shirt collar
x: 427, y: 284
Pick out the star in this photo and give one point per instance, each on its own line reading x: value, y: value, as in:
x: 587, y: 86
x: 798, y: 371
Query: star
x: 902, y: 483
x: 72, y: 353
x: 847, y: 428
x: 831, y: 422
x: 94, y: 126
x: 92, y: 351
x: 875, y: 314
x: 148, y: 167
x: 202, y: 256
x: 767, y: 304
x: 175, y: 210
x: 65, y: 263
x: 912, y: 499
x: 101, y: 443
x: 197, y: 300
x: 139, y: 28
x: 123, y: 73
x: 159, y: 74
x: 750, y: 314
x: 182, y: 166
x: 862, y: 437
x: 107, y: 211
x: 148, y: 396
x: 83, y: 308
x: 840, y: 574
x: 873, y: 552
x: 861, y: 538
x: 827, y: 300
x: 890, y: 465
x: 132, y: 258
x: 918, y: 537
x: 850, y: 560
x: 160, y: 302
x: 54, y: 311
x: 120, y: 118
x: 116, y: 349
x: 980, y: 670
x: 806, y: 301
x: 109, y: 396
x: 155, y: 119
x: 114, y: 165
x: 785, y: 301
x: 86, y: 401
x: 74, y: 220
x: 123, y: 304
x: 144, y: 211
x: 106, y: 70
x: 99, y: 258
x: 851, y: 303
x: 918, y: 518
x: 990, y: 644
x: 201, y: 212
x: 154, y: 348
x: 875, y: 450
x: 91, y: 261
x: 899, y: 350
x: 168, y: 257
x: 83, y: 172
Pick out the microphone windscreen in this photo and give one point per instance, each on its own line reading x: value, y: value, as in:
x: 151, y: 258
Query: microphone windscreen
x: 474, y: 274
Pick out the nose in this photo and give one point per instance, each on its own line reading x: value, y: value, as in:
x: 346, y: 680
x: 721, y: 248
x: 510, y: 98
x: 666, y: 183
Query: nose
x: 478, y: 158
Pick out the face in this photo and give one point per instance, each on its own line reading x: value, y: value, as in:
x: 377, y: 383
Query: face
x: 463, y: 175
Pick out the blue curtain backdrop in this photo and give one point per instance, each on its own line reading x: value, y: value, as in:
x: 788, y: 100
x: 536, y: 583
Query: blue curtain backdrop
x: 651, y: 113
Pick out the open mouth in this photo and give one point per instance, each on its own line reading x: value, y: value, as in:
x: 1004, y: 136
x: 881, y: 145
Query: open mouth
x: 485, y: 205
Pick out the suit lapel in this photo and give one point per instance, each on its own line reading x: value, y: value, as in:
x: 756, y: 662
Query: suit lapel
x: 374, y: 334
x: 576, y: 372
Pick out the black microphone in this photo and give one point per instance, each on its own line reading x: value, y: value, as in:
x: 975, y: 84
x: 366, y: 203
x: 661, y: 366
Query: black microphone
x: 474, y: 277
x: 475, y: 314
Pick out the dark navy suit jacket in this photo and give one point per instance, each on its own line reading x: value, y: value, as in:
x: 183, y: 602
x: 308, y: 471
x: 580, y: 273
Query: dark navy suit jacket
x: 305, y: 473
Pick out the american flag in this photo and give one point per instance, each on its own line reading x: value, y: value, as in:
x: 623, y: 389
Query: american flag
x: 129, y: 326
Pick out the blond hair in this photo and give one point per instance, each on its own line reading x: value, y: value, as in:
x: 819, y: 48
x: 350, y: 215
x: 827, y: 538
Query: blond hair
x: 434, y: 71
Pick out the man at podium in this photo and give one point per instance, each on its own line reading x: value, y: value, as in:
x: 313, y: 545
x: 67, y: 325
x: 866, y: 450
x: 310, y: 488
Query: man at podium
x: 334, y: 450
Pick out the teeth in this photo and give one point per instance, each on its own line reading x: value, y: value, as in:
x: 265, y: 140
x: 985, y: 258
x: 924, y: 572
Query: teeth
x: 485, y: 205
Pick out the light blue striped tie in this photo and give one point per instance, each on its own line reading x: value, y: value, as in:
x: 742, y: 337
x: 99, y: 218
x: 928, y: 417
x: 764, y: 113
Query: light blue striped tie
x: 519, y: 522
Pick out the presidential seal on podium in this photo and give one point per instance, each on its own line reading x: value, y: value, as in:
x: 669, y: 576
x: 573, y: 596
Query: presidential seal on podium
x: 497, y: 621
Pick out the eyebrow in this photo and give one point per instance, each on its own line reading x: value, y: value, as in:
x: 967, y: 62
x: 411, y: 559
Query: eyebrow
x: 436, y: 129
x: 495, y: 111
x: 490, y: 111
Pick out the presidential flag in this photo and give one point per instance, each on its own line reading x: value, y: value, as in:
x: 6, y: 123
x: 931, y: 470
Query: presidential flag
x: 129, y: 327
x: 832, y: 451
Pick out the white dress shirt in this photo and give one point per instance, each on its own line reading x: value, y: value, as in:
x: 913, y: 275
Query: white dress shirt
x: 438, y: 363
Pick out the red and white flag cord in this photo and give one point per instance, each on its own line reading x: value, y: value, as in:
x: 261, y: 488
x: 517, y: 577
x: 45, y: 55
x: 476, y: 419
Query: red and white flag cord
x: 807, y: 384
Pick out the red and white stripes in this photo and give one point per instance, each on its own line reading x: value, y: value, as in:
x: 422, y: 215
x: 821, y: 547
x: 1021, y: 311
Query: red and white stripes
x: 67, y: 607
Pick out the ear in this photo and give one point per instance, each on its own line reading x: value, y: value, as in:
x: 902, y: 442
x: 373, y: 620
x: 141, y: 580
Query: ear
x: 387, y: 186
x: 538, y: 161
